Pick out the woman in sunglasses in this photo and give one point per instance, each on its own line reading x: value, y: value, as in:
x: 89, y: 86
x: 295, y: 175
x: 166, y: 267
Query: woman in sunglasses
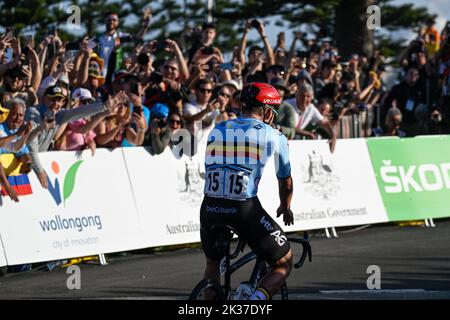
x: 224, y: 98
x: 79, y: 134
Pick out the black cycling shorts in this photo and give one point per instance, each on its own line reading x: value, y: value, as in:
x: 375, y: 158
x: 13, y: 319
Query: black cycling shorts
x: 263, y: 235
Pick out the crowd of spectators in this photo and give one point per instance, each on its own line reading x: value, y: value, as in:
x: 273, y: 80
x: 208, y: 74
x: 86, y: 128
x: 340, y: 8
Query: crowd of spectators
x: 91, y: 94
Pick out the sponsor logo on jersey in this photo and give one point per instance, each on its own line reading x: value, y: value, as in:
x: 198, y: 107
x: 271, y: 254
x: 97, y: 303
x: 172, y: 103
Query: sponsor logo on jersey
x: 280, y: 239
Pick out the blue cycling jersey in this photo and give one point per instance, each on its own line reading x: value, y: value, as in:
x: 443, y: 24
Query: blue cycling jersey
x: 236, y: 153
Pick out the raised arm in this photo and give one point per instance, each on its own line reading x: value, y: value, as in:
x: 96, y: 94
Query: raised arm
x: 269, y: 50
x: 243, y: 43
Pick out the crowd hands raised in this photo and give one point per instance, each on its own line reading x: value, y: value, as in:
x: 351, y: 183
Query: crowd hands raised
x: 90, y: 94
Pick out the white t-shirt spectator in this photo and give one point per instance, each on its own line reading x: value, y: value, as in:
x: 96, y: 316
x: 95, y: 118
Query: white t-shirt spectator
x: 310, y: 116
x: 192, y: 108
x: 106, y: 44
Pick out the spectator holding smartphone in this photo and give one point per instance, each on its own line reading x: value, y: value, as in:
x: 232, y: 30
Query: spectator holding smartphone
x: 49, y: 116
x: 257, y: 61
x: 160, y: 130
x: 201, y: 113
x: 79, y: 134
x: 122, y: 124
x: 208, y: 34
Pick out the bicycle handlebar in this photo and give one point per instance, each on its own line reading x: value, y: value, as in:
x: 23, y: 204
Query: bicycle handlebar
x: 306, y: 249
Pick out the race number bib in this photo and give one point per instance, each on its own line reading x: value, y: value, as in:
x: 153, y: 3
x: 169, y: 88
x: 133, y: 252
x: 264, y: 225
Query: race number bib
x: 227, y: 183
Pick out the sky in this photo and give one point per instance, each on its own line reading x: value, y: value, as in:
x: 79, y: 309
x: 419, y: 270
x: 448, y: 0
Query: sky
x: 439, y: 7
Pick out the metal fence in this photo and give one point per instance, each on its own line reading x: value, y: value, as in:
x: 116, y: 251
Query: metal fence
x: 358, y: 125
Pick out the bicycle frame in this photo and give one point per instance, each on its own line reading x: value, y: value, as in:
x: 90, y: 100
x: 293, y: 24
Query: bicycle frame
x: 260, y: 268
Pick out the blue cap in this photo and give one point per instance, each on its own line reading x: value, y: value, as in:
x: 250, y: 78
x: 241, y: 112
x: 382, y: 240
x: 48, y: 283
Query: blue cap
x: 160, y: 110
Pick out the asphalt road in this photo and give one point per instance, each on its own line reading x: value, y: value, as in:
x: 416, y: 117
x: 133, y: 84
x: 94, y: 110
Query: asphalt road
x: 414, y: 263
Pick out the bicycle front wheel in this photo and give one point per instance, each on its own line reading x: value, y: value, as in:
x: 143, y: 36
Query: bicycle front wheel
x: 207, y: 289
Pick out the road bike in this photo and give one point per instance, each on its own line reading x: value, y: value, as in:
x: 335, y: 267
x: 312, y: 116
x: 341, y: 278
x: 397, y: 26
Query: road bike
x: 208, y: 289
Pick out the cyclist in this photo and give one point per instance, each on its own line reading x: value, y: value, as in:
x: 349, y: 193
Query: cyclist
x: 237, y: 151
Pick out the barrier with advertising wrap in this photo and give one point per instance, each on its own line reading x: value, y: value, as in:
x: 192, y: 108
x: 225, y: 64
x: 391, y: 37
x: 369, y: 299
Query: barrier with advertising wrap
x: 168, y: 193
x: 88, y: 209
x: 127, y: 199
x: 330, y: 190
x: 413, y: 176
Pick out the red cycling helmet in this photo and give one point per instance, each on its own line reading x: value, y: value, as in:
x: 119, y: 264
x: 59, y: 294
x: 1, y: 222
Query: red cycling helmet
x: 259, y: 94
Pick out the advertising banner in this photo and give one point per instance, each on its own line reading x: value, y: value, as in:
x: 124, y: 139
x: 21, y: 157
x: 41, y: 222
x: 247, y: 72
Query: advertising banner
x: 330, y: 190
x: 413, y: 175
x: 87, y: 209
x: 168, y: 193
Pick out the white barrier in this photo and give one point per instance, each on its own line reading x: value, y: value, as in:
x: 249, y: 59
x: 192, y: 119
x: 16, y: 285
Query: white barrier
x: 3, y: 261
x: 99, y: 215
x: 127, y: 199
x: 331, y: 190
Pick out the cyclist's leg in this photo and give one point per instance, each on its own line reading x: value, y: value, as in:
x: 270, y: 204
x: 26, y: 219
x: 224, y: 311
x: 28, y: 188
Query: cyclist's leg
x: 214, y: 212
x: 279, y: 271
x: 266, y: 238
x: 212, y: 270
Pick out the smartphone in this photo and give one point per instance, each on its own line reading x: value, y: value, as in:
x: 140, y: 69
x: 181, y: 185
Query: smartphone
x: 137, y: 109
x: 126, y: 38
x: 208, y: 51
x: 25, y: 50
x: 226, y: 66
x: 134, y: 88
x: 10, y: 31
x: 51, y: 31
x: 72, y: 46
x: 160, y: 45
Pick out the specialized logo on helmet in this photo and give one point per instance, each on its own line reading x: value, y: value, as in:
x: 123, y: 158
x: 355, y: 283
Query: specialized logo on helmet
x: 272, y: 101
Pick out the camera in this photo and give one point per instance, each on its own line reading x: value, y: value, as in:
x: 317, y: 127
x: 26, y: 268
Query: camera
x: 143, y: 59
x: 161, y: 122
x: 126, y: 38
x: 72, y: 46
x: 207, y: 50
x: 302, y: 54
x: 155, y: 78
x: 255, y: 24
x: 49, y: 116
x: 160, y: 45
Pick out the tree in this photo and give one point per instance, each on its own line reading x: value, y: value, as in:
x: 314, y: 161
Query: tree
x: 343, y: 20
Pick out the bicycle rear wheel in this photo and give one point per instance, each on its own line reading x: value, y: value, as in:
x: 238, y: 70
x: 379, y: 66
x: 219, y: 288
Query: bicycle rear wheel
x: 207, y: 289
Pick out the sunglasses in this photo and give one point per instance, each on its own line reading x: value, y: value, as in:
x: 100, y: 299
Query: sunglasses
x: 203, y: 90
x: 226, y: 95
x: 311, y: 66
x: 170, y: 68
x: 58, y: 99
x: 173, y: 121
x: 85, y: 101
